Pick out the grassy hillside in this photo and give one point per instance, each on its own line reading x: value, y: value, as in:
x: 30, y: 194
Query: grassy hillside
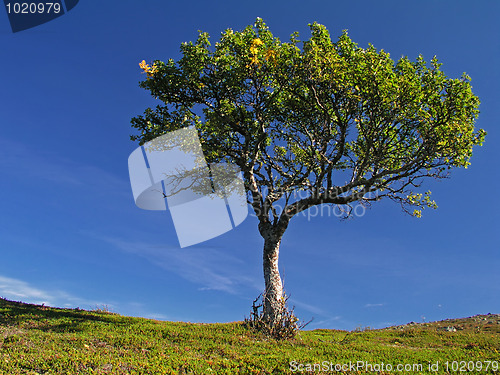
x: 41, y: 340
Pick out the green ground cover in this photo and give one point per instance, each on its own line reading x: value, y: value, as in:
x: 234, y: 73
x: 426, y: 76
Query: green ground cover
x: 41, y: 340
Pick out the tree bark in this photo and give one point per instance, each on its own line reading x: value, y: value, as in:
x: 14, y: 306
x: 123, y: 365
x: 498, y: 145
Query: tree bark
x: 273, y: 295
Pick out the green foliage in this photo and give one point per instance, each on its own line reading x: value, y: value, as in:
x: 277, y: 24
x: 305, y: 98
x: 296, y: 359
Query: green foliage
x: 36, y: 339
x: 296, y: 115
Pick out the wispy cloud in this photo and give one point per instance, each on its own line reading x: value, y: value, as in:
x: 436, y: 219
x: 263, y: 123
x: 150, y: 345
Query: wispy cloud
x: 327, y: 323
x: 139, y: 309
x: 19, y: 159
x: 211, y: 268
x: 374, y: 305
x: 156, y: 316
x: 19, y: 290
x: 308, y: 307
x: 321, y: 318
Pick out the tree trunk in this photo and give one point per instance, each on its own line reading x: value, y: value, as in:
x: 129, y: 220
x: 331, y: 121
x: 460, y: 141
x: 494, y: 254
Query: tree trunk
x: 273, y: 295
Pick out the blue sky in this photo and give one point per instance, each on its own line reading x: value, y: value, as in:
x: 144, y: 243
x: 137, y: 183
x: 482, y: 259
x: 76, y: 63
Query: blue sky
x: 71, y: 235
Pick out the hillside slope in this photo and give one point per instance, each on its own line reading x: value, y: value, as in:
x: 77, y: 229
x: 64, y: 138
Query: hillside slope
x: 42, y: 340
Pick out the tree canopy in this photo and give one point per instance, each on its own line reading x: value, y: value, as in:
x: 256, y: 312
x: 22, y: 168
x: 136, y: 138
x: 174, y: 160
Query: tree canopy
x: 331, y: 118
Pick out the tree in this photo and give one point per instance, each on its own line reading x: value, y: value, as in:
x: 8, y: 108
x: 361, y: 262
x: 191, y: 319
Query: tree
x: 328, y: 123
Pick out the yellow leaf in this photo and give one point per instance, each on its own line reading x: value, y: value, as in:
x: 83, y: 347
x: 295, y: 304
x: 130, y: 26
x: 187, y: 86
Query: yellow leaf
x: 257, y: 42
x: 144, y: 66
x: 150, y: 71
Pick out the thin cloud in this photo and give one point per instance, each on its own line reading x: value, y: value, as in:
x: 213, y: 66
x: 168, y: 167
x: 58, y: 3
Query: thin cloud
x: 308, y: 307
x: 328, y: 323
x: 156, y: 316
x: 139, y: 309
x: 209, y: 267
x: 374, y: 305
x: 321, y: 317
x: 19, y: 290
x: 16, y: 158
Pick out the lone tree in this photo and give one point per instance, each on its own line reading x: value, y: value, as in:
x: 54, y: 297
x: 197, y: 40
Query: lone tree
x: 311, y: 123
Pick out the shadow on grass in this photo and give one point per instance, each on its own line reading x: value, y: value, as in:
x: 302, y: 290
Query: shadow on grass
x: 51, y: 318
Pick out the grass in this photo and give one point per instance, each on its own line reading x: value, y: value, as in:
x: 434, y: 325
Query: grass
x: 42, y: 340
